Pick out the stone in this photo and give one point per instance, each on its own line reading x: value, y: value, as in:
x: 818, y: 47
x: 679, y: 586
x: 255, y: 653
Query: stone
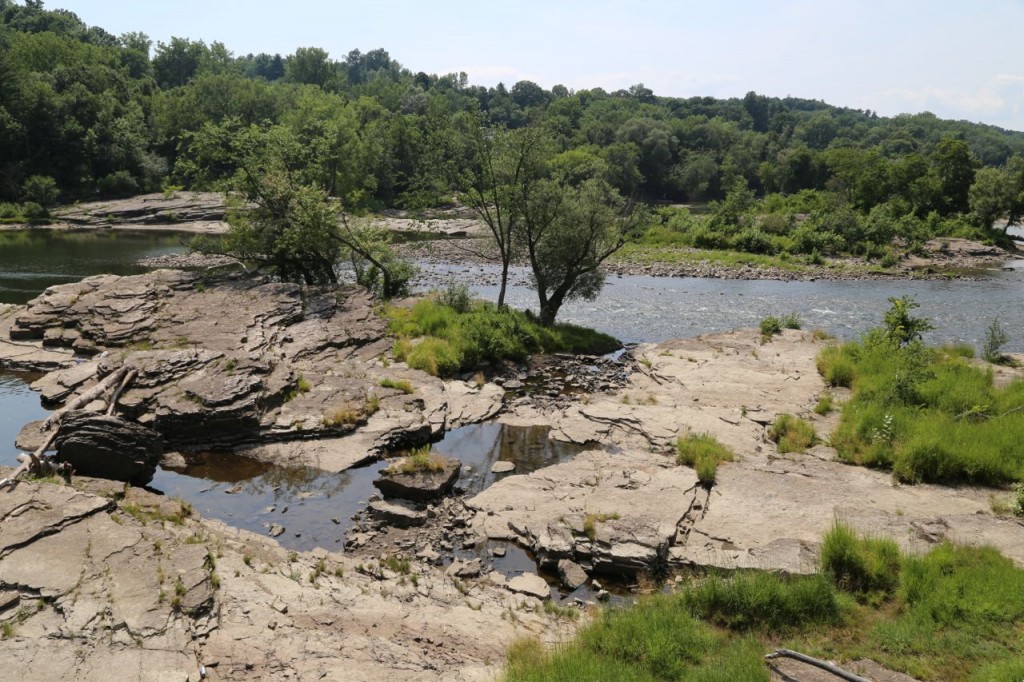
x: 571, y: 574
x: 529, y: 584
x: 398, y: 513
x: 108, y: 447
x: 503, y: 467
x: 276, y: 530
x: 461, y: 568
x: 421, y: 485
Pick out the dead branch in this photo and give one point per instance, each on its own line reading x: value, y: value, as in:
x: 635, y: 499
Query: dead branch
x: 818, y: 663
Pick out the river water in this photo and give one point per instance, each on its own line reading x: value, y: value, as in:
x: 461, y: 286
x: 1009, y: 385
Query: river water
x: 316, y: 507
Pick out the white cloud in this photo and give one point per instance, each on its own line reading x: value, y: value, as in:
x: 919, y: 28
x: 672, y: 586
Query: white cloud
x: 998, y: 100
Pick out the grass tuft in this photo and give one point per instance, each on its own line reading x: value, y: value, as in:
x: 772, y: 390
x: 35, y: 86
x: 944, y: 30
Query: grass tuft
x: 703, y: 452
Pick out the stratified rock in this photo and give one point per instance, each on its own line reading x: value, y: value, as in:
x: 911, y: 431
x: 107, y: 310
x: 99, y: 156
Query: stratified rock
x: 108, y: 447
x: 571, y: 574
x: 530, y: 584
x: 397, y: 513
x: 421, y: 485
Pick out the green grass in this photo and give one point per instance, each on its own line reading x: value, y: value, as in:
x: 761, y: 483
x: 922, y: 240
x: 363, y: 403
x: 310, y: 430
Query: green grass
x: 926, y: 414
x: 441, y: 341
x: 403, y: 385
x: 591, y: 520
x: 826, y: 403
x: 682, y: 255
x: 703, y: 452
x: 420, y: 460
x: 953, y: 614
x: 791, y: 434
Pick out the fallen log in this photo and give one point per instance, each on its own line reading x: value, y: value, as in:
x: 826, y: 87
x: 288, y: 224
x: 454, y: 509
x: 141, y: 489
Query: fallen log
x: 40, y: 465
x: 818, y: 663
x: 93, y: 393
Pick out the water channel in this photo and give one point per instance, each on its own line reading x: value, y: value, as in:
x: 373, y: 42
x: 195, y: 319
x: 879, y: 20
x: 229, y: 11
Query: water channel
x: 316, y: 507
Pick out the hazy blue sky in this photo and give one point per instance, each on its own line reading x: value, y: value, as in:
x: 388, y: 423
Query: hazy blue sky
x: 956, y: 58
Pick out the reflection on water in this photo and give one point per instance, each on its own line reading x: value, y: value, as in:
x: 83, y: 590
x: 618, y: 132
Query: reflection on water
x: 31, y: 260
x: 18, y: 405
x: 479, y: 446
x: 316, y: 507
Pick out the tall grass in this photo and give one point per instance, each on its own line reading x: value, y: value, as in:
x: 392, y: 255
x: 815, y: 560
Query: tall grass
x: 953, y: 614
x: 791, y: 434
x: 703, y: 452
x: 925, y: 413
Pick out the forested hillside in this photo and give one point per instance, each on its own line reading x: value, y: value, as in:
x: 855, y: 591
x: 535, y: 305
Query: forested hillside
x: 84, y: 113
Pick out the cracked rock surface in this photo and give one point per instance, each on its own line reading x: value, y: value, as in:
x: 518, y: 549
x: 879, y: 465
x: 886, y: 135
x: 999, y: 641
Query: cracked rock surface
x: 93, y: 582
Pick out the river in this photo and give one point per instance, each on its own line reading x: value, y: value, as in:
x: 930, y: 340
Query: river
x: 317, y: 506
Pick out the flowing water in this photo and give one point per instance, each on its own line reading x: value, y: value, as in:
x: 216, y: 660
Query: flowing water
x: 316, y: 507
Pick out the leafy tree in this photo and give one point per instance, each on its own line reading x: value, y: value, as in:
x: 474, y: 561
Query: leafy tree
x: 310, y: 65
x: 991, y: 196
x: 955, y: 166
x: 177, y: 62
x: 503, y: 165
x: 568, y: 231
x: 901, y: 327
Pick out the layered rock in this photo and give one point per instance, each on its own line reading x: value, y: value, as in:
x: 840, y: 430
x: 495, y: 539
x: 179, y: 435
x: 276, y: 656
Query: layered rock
x: 240, y: 361
x: 109, y: 446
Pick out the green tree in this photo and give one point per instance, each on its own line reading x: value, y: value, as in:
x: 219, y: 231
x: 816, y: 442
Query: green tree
x: 955, y: 166
x: 177, y: 62
x: 503, y: 165
x: 568, y: 231
x: 990, y: 196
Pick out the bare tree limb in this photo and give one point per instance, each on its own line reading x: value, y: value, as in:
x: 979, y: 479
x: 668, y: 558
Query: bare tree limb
x: 818, y: 663
x: 96, y: 391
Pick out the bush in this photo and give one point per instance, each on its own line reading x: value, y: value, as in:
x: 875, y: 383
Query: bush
x: 790, y: 321
x: 40, y: 189
x: 861, y: 565
x: 456, y: 296
x: 434, y: 356
x: 118, y: 184
x: 995, y: 339
x: 770, y: 326
x: 836, y: 366
x: 791, y: 434
x: 753, y: 240
x: 33, y: 211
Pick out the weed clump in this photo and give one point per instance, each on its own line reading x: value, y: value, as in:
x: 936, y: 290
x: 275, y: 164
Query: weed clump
x: 791, y: 434
x: 703, y: 452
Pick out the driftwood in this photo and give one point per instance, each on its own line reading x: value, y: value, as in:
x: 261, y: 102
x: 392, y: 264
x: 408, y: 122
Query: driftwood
x: 117, y: 394
x: 818, y: 663
x: 93, y: 393
x: 36, y: 462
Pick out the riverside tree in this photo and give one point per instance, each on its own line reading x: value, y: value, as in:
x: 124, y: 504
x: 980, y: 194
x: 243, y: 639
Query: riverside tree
x: 570, y: 230
x: 281, y: 217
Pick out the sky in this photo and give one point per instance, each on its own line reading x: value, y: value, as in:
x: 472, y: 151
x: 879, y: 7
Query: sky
x: 954, y: 58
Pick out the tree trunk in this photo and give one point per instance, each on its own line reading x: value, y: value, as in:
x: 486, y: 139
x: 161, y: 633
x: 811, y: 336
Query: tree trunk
x: 504, y: 283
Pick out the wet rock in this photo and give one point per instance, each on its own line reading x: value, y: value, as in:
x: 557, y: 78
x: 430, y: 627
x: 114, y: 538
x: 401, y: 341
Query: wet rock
x: 571, y: 574
x: 398, y: 513
x: 421, y: 484
x: 276, y: 530
x: 108, y: 447
x: 529, y: 584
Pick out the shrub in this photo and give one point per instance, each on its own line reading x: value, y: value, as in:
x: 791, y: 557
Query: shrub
x: 790, y: 321
x: 791, y: 434
x: 836, y: 366
x: 40, y: 189
x: 118, y: 184
x: 456, y: 296
x: 995, y: 339
x: 867, y: 566
x: 770, y: 326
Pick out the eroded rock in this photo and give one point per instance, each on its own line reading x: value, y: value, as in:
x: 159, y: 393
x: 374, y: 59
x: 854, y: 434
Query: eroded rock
x: 420, y: 484
x: 108, y: 446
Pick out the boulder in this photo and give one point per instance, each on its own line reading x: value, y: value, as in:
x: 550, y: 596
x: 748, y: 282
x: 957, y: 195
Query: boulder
x: 571, y: 574
x: 108, y: 446
x: 421, y: 485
